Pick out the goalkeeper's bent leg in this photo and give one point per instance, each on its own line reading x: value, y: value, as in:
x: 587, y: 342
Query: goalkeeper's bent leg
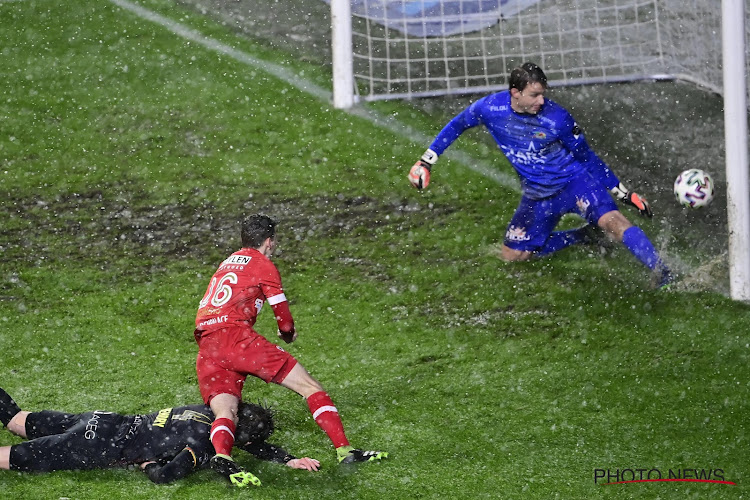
x: 562, y: 239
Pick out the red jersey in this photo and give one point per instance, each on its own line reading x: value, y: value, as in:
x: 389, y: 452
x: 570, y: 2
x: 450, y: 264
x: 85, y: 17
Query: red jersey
x: 237, y: 291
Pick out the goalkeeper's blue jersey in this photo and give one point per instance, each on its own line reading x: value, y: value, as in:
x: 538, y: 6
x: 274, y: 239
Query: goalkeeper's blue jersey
x: 547, y: 150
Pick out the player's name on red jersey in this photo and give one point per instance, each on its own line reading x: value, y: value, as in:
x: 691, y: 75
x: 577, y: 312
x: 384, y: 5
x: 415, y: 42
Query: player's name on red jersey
x: 238, y: 289
x: 234, y: 259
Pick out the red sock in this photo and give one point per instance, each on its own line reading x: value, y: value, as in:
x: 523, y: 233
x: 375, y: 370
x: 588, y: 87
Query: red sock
x: 327, y: 417
x: 222, y: 436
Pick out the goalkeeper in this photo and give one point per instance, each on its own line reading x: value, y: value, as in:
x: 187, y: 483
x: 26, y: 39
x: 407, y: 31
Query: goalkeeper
x: 559, y: 174
x: 167, y: 445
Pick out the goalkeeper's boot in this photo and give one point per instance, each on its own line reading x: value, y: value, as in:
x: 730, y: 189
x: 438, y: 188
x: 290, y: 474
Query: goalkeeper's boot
x: 8, y: 408
x: 595, y: 236
x: 666, y: 280
x: 350, y: 455
x: 225, y: 466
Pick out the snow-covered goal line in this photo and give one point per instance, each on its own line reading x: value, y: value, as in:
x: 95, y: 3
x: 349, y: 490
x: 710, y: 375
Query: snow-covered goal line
x: 420, y: 48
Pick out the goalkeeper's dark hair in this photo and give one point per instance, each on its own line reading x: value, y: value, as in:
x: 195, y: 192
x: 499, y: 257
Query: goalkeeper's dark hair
x: 522, y: 76
x: 254, y: 423
x: 256, y: 229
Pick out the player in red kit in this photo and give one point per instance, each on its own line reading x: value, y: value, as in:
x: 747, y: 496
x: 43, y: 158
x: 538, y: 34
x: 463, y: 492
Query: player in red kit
x: 229, y: 349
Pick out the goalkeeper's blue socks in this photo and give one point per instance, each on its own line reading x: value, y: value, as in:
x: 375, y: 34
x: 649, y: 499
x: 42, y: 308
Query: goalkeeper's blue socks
x: 8, y: 408
x: 640, y: 246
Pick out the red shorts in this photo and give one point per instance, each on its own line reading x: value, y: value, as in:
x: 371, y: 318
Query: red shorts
x: 227, y: 356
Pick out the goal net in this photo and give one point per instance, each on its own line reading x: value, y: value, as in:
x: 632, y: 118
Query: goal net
x: 420, y: 48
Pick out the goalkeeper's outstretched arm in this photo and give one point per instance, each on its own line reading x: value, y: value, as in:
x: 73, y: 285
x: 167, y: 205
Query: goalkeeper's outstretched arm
x: 419, y: 175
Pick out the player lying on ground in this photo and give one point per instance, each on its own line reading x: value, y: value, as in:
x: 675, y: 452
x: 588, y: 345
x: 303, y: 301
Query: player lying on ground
x: 559, y: 174
x: 229, y: 349
x: 167, y: 445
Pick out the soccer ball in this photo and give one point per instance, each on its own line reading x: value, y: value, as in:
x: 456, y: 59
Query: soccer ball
x: 694, y: 188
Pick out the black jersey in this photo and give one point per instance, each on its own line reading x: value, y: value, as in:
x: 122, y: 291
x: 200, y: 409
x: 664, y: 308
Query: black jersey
x: 177, y: 439
x: 163, y: 434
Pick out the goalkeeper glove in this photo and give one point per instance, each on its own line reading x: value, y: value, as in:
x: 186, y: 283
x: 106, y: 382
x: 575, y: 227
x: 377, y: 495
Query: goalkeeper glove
x: 633, y: 199
x: 419, y: 175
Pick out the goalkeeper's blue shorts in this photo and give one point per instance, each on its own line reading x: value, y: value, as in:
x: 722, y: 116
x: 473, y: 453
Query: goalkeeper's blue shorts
x: 535, y: 220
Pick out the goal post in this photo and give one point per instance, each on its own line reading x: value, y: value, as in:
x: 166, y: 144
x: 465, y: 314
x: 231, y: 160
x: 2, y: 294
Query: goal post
x: 341, y: 49
x: 735, y: 138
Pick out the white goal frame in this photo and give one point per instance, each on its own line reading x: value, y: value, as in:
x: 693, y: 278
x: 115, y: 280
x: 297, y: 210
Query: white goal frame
x: 660, y: 47
x: 735, y: 138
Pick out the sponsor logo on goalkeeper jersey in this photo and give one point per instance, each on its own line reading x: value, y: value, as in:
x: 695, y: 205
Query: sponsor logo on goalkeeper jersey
x: 583, y: 204
x: 521, y: 157
x: 516, y: 234
x: 549, y: 121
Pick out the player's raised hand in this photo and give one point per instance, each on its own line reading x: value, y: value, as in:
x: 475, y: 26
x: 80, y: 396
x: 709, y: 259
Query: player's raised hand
x: 419, y: 175
x: 633, y: 199
x: 304, y: 463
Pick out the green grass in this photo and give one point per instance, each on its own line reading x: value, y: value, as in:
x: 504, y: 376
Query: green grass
x: 128, y: 155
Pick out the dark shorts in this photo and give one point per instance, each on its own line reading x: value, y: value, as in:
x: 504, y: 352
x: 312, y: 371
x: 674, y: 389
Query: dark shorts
x: 535, y: 220
x: 227, y: 356
x: 65, y: 441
